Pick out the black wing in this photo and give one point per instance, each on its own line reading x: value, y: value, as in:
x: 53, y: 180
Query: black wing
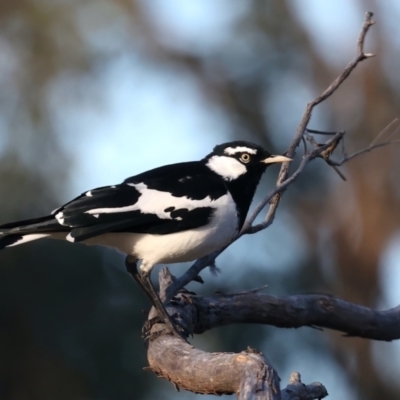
x: 168, y: 199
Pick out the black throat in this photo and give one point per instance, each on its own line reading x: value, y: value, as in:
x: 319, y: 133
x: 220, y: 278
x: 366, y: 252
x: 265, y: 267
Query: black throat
x: 242, y: 190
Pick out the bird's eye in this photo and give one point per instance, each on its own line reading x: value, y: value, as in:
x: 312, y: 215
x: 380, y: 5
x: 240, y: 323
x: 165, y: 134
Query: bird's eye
x: 245, y: 157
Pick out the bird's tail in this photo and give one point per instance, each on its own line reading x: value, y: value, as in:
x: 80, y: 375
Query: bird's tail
x: 20, y: 232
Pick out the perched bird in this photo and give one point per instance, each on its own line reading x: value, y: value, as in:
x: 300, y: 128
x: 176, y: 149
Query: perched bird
x: 171, y: 214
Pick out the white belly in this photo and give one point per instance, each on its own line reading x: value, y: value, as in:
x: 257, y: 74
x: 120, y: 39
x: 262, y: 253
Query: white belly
x: 180, y: 246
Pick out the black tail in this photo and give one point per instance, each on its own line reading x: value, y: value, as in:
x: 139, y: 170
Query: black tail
x: 17, y: 232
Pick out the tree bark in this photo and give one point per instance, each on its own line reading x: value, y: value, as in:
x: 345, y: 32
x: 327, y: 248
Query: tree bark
x: 248, y: 374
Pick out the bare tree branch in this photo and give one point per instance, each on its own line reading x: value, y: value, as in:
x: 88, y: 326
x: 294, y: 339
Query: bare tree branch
x: 199, y: 314
x: 385, y: 130
x: 374, y: 145
x: 312, y: 310
x: 213, y: 373
x: 281, y: 187
x: 248, y: 374
x: 284, y: 180
x: 284, y: 172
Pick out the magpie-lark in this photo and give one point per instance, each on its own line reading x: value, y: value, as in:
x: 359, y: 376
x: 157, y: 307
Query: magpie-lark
x: 170, y: 214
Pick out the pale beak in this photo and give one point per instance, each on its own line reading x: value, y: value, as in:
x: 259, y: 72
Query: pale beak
x: 276, y: 159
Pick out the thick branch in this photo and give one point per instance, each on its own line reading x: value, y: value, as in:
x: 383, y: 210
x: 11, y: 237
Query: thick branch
x: 248, y: 374
x: 314, y: 310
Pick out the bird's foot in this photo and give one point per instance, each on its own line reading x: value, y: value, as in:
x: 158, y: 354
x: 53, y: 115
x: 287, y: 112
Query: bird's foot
x: 148, y: 333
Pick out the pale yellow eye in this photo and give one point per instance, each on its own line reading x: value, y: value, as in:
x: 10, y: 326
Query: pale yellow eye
x: 245, y: 157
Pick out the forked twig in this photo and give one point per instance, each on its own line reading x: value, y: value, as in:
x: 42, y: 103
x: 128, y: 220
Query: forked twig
x: 284, y: 180
x: 284, y: 172
x: 373, y: 145
x: 326, y: 154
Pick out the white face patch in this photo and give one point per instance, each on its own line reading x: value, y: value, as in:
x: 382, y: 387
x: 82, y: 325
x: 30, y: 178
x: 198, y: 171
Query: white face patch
x: 227, y: 167
x: 240, y: 149
x: 156, y: 202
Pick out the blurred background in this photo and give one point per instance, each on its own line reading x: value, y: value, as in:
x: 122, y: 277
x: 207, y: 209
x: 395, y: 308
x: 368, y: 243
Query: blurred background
x: 92, y: 92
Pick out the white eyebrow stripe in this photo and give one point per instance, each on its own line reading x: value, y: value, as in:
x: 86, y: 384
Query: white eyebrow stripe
x: 239, y: 149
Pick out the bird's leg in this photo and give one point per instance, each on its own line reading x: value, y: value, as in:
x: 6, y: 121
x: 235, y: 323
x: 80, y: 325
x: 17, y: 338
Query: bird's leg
x: 131, y: 267
x: 144, y: 281
x: 158, y: 304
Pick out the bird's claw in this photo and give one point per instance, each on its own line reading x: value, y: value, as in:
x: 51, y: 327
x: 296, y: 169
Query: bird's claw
x: 169, y: 328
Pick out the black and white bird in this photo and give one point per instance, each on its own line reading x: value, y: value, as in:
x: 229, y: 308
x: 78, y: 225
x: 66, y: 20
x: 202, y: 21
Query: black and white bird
x: 171, y: 214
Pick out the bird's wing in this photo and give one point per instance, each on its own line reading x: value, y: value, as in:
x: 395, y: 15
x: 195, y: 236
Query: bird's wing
x: 164, y: 200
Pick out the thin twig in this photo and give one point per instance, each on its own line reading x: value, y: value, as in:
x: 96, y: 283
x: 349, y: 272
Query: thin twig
x: 204, y: 262
x: 367, y: 150
x: 386, y: 129
x: 304, y: 144
x: 250, y: 229
x: 191, y: 274
x: 328, y: 152
x: 396, y: 131
x: 374, y: 145
x: 283, y: 174
x: 284, y: 180
x: 320, y: 132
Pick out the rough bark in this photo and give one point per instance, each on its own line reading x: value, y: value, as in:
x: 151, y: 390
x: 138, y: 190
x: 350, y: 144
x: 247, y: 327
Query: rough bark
x: 296, y: 390
x: 248, y: 374
x: 314, y: 310
x: 199, y: 314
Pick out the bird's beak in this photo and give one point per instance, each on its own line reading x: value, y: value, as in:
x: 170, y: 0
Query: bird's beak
x: 276, y: 159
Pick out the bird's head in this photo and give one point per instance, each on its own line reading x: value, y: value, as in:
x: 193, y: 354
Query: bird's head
x: 237, y: 159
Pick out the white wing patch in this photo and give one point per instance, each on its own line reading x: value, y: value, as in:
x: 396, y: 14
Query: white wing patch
x: 153, y: 201
x: 60, y: 218
x: 181, y: 246
x: 227, y: 167
x: 191, y: 244
x: 70, y: 238
x: 239, y: 149
x: 29, y: 238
